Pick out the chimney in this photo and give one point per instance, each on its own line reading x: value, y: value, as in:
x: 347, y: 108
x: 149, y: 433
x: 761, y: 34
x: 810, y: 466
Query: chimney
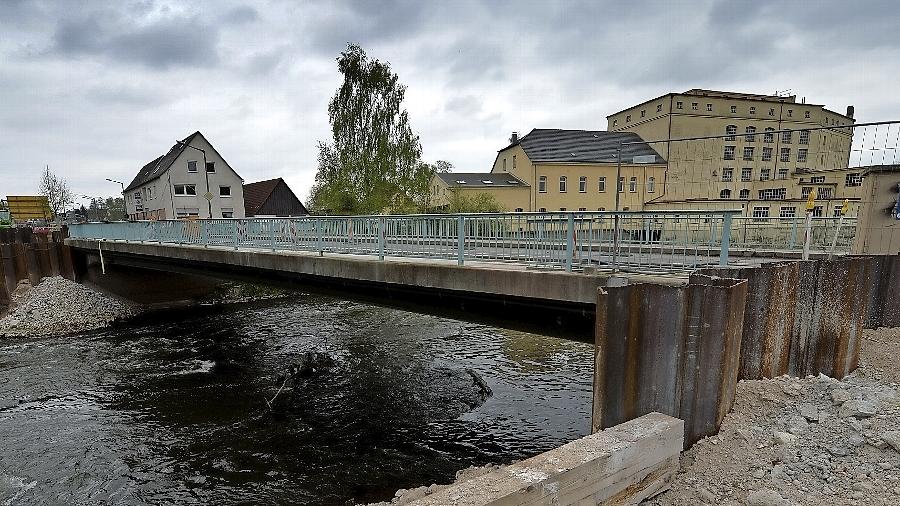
x: 514, y: 138
x: 850, y: 111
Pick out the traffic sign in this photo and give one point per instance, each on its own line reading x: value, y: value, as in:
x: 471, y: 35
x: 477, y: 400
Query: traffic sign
x: 208, y: 196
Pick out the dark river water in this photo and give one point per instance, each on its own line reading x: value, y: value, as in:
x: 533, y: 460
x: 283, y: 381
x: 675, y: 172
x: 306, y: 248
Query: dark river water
x: 175, y: 410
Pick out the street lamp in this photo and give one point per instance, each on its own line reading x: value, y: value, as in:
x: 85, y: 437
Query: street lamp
x: 205, y: 171
x: 121, y: 183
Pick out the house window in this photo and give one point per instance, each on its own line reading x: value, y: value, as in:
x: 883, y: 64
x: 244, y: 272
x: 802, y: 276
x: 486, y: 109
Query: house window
x: 651, y: 184
x: 518, y: 209
x: 746, y: 174
x: 562, y: 208
x: 725, y: 194
x: 801, y: 155
x: 187, y: 212
x: 761, y: 213
x: 210, y: 167
x: 771, y: 112
x: 767, y: 155
x: 734, y: 109
x: 228, y: 212
x: 192, y: 165
x: 582, y: 184
x: 727, y: 174
x: 817, y: 212
x: 224, y: 191
x: 628, y: 119
x: 765, y: 174
x: 730, y: 130
x: 694, y: 106
x: 773, y: 194
x: 748, y: 153
x: 582, y: 209
x: 658, y: 107
x: 805, y: 191
x: 514, y: 162
x: 504, y: 164
x: 729, y: 153
x: 632, y: 185
x: 752, y: 110
x: 785, y: 154
x: 601, y: 209
x: 185, y: 189
x: 679, y: 105
x: 643, y: 113
x: 137, y: 195
x: 149, y: 193
x: 804, y: 136
x: 745, y: 194
x: 825, y: 192
x: 837, y: 212
x: 769, y: 136
x: 786, y: 137
x: 621, y: 187
x: 615, y: 123
x: 806, y: 114
x: 708, y: 107
x: 788, y: 212
x: 790, y: 113
x: 601, y: 184
x: 782, y: 174
x: 817, y: 179
x: 542, y: 184
x: 542, y: 210
x: 853, y: 180
x: 562, y: 184
x: 751, y: 134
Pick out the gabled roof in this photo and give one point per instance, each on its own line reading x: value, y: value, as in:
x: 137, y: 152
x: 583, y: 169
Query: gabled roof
x: 543, y: 145
x: 480, y: 179
x: 256, y: 194
x: 159, y: 165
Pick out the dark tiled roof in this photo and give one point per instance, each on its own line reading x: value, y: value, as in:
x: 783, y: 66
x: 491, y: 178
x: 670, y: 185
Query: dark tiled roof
x: 584, y: 146
x: 256, y: 194
x: 161, y: 164
x: 477, y: 179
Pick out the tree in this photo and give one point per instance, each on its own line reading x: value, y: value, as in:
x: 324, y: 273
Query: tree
x: 374, y: 153
x: 115, y: 208
x: 59, y: 197
x: 480, y: 203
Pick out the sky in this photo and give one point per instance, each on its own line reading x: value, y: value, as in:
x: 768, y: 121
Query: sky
x: 97, y: 89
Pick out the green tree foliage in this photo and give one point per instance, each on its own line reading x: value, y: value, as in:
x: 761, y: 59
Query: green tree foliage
x: 374, y: 157
x: 480, y: 203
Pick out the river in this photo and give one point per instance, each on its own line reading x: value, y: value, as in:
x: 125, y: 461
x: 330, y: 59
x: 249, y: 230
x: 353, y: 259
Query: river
x: 175, y: 409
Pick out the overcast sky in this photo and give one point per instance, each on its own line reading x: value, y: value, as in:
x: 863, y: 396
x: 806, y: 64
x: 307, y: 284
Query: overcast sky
x: 97, y: 89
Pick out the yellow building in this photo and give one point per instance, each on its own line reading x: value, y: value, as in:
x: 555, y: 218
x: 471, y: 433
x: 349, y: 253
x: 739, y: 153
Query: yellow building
x: 510, y: 192
x: 575, y: 170
x: 762, y: 153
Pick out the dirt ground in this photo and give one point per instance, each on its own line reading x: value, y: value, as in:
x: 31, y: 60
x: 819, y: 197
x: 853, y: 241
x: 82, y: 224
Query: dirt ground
x: 810, y: 441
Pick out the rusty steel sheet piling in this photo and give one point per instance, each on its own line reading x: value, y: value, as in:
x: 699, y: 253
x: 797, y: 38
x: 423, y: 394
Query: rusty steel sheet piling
x: 671, y: 349
x: 882, y: 310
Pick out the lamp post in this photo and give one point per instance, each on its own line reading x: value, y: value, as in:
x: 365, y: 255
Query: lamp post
x: 205, y: 171
x: 124, y: 205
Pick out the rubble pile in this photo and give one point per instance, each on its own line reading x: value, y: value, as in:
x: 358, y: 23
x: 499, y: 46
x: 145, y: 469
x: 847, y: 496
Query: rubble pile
x: 59, y: 306
x: 811, y: 441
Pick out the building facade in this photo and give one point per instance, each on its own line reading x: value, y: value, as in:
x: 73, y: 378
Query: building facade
x: 191, y: 180
x: 272, y: 198
x: 575, y: 170
x: 759, y: 153
x: 509, y: 192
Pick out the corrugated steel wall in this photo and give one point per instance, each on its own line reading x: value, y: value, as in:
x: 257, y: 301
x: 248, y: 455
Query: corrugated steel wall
x: 669, y: 349
x: 24, y: 255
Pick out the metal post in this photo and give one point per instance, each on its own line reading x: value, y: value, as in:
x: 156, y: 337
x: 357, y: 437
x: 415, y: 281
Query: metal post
x: 381, y: 237
x: 726, y: 240
x: 836, y: 234
x: 570, y: 241
x: 615, y: 258
x: 460, y: 239
x: 808, y: 237
x: 318, y: 222
x: 272, y: 228
x: 235, y: 234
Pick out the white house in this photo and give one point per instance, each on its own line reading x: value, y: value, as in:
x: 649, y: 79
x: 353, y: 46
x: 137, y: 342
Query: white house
x: 191, y: 180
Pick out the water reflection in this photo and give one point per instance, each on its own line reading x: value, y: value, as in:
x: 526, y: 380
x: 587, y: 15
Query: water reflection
x: 176, y: 411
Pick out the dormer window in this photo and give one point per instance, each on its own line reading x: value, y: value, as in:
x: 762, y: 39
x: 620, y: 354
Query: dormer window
x: 487, y: 181
x: 460, y: 181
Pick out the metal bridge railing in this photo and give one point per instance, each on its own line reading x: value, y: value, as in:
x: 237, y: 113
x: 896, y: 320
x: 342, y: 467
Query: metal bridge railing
x: 788, y: 234
x: 660, y: 241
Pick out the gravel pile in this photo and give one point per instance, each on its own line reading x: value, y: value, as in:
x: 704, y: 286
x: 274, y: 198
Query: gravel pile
x: 811, y: 441
x: 59, y: 306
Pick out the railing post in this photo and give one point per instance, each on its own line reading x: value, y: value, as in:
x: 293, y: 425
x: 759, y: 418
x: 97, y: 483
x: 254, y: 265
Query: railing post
x: 570, y: 240
x: 381, y: 225
x: 726, y: 240
x: 808, y: 237
x: 272, y: 228
x: 460, y: 239
x: 235, y: 234
x: 318, y: 222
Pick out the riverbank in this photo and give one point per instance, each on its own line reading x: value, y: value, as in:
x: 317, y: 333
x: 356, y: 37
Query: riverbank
x: 60, y: 306
x: 804, y: 442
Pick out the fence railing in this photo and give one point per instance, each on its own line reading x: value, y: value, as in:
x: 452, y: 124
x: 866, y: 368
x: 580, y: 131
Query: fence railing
x: 648, y: 241
x: 788, y: 234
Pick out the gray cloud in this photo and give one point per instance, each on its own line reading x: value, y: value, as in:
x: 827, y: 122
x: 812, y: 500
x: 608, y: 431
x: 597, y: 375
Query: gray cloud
x: 240, y: 15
